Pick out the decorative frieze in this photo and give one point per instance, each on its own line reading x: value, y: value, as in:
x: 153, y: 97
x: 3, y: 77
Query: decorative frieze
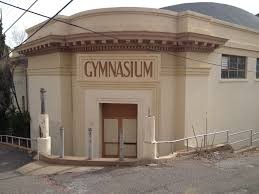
x: 134, y: 41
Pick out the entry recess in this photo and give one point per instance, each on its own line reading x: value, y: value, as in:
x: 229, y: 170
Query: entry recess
x: 115, y: 118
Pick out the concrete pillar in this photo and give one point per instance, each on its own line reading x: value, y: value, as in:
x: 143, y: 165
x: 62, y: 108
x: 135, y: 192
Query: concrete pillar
x: 62, y: 137
x: 150, y: 146
x: 44, y: 125
x: 44, y: 145
x: 90, y: 143
x: 44, y: 140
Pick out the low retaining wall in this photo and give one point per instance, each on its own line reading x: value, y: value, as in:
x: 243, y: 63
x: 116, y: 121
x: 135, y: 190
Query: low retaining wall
x: 220, y: 147
x: 81, y: 161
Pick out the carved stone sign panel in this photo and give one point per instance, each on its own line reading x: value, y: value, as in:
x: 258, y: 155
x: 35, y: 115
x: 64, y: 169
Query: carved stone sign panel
x: 121, y: 67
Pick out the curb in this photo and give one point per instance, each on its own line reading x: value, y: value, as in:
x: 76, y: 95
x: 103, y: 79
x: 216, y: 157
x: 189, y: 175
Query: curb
x: 220, y: 147
x: 82, y: 161
x: 252, y: 148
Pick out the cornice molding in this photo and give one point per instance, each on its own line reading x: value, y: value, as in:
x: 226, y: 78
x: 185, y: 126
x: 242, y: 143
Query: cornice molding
x: 126, y: 41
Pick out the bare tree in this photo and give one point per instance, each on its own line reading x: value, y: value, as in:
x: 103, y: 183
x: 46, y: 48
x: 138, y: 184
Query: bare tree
x: 5, y: 87
x: 7, y: 70
x: 18, y: 36
x: 13, y: 90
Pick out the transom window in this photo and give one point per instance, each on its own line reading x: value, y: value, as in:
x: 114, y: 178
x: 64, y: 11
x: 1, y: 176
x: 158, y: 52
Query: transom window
x: 233, y: 67
x: 257, y: 68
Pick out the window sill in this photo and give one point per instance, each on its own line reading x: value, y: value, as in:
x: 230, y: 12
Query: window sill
x: 257, y: 80
x: 234, y: 80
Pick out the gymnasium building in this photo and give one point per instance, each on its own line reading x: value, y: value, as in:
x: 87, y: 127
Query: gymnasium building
x: 113, y: 67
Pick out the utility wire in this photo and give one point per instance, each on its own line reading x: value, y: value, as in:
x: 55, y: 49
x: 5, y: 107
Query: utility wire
x: 114, y: 37
x: 20, y: 17
x: 60, y: 20
x: 44, y: 24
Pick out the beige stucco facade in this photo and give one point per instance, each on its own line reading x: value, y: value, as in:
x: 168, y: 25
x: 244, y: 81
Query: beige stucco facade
x: 183, y: 88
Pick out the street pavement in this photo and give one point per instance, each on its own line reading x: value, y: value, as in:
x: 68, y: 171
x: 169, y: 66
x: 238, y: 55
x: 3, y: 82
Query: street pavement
x: 238, y: 174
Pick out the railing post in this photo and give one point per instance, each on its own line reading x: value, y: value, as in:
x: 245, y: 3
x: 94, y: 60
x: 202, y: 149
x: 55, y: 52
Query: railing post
x: 27, y: 143
x: 251, y: 137
x: 121, y: 145
x: 187, y: 144
x: 62, y: 150
x: 227, y: 136
x: 155, y: 150
x: 19, y: 142
x: 205, y: 137
x: 90, y: 145
x: 12, y: 140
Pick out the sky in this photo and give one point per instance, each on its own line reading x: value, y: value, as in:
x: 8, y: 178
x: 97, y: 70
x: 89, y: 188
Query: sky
x: 50, y: 7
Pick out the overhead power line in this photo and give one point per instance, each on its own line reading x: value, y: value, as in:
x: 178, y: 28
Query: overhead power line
x: 59, y: 20
x: 110, y: 36
x: 20, y: 17
x: 44, y: 24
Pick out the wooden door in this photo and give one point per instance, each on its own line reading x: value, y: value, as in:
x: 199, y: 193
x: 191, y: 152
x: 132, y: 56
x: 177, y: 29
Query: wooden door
x: 116, y: 117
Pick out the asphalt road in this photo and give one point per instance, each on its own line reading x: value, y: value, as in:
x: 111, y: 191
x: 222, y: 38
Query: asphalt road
x: 235, y: 175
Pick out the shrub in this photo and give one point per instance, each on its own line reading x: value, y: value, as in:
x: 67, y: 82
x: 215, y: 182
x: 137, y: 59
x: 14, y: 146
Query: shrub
x: 15, y: 123
x: 20, y: 123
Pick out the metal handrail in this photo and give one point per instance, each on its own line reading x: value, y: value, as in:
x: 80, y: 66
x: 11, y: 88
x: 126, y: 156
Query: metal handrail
x: 240, y: 132
x: 192, y: 137
x: 27, y: 140
x: 205, y: 136
x: 239, y: 141
x: 24, y: 138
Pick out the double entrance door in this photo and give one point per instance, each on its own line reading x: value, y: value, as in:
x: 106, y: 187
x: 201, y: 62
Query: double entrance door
x: 118, y: 117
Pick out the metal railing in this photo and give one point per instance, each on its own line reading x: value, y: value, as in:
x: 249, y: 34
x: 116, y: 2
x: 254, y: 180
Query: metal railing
x: 242, y: 140
x: 205, y: 138
x: 255, y: 140
x: 20, y: 142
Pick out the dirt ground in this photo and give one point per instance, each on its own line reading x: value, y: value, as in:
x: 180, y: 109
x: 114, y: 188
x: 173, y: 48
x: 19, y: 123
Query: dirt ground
x: 214, y: 172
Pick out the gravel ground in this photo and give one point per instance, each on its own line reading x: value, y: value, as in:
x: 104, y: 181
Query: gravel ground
x: 215, y: 172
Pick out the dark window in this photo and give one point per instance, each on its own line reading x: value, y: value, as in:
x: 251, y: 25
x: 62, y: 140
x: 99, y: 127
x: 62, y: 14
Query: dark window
x: 234, y: 67
x: 257, y: 68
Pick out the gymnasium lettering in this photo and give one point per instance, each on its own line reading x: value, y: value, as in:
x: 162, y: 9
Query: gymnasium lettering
x: 118, y: 69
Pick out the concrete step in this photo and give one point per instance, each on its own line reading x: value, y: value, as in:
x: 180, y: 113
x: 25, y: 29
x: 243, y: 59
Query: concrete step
x: 43, y: 168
